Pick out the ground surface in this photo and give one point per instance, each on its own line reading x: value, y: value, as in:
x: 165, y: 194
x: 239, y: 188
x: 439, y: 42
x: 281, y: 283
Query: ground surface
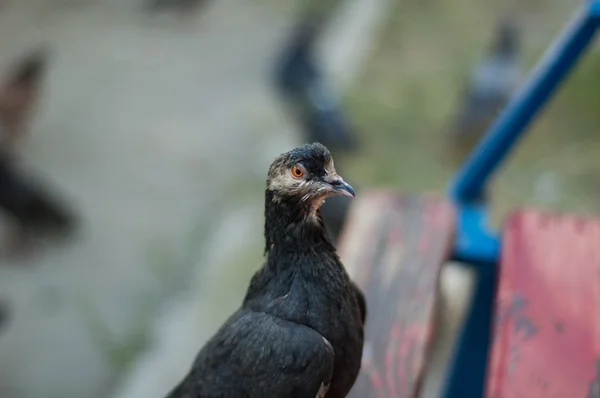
x: 155, y: 127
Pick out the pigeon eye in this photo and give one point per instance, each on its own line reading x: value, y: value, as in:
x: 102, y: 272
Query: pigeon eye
x: 297, y: 171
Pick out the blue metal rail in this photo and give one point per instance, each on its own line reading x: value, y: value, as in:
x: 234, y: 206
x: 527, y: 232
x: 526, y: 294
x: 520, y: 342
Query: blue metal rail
x: 474, y: 242
x: 477, y: 245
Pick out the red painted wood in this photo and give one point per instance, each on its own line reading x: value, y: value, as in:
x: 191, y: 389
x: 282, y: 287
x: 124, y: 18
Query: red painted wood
x: 546, y: 341
x: 394, y: 246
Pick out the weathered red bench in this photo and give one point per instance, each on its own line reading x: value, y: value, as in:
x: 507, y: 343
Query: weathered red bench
x: 394, y: 246
x: 546, y: 341
x: 541, y: 280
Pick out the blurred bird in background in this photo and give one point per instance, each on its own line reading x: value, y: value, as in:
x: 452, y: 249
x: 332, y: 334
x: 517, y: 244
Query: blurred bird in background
x: 491, y: 85
x: 26, y: 201
x: 314, y: 104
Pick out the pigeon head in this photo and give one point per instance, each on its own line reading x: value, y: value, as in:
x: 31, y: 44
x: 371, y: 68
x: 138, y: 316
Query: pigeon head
x: 305, y: 177
x: 507, y: 37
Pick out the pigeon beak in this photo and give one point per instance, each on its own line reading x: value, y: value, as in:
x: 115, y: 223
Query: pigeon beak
x: 340, y: 187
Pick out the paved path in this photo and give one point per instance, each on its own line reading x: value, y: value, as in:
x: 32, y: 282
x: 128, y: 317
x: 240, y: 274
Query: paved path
x: 148, y: 124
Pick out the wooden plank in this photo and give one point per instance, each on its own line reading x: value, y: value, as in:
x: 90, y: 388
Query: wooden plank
x: 394, y: 246
x: 547, y: 334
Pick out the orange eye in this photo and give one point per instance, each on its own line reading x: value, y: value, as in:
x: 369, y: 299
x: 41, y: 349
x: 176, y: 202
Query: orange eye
x: 297, y: 171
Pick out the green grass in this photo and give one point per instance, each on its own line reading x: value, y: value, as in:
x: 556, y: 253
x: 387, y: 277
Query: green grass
x: 409, y: 89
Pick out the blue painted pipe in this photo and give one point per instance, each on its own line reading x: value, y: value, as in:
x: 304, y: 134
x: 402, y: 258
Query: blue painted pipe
x: 470, y: 181
x: 467, y: 376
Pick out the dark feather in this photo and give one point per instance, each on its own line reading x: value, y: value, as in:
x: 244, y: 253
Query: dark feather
x: 491, y: 85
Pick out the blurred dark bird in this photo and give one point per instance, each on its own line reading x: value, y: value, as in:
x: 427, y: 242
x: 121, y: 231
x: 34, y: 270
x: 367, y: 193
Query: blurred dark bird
x: 26, y: 201
x: 31, y: 207
x: 491, y: 85
x: 299, y: 331
x: 313, y: 103
x: 19, y: 92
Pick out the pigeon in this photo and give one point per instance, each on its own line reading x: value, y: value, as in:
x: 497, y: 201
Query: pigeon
x: 492, y: 83
x: 311, y: 100
x: 26, y: 201
x: 299, y: 331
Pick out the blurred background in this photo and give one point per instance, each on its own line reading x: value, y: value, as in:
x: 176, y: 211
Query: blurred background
x: 136, y: 137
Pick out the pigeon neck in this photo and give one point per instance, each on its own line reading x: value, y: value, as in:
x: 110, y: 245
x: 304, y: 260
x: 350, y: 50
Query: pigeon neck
x: 290, y: 227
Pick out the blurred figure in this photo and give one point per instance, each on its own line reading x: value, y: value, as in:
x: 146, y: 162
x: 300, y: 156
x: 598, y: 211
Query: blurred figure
x: 25, y: 200
x: 19, y: 92
x: 491, y: 84
x: 313, y: 103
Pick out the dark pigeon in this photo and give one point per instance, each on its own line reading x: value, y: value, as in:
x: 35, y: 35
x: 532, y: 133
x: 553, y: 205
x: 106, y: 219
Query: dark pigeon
x: 492, y: 83
x: 299, y: 331
x: 311, y: 100
x: 27, y: 202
